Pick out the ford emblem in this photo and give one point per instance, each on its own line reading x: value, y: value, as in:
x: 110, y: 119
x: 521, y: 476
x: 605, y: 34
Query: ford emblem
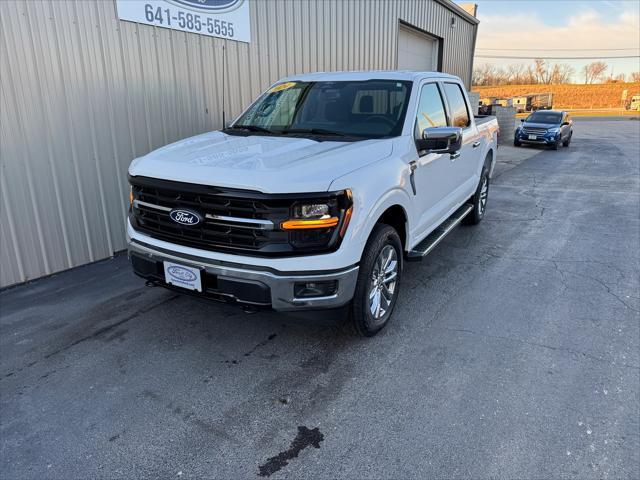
x: 211, y: 6
x: 181, y: 274
x: 185, y: 217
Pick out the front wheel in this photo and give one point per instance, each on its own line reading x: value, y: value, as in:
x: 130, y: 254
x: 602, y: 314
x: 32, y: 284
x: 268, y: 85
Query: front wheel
x: 378, y: 282
x: 567, y: 141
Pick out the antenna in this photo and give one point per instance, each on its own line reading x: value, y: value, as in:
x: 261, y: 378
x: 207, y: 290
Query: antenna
x: 224, y: 64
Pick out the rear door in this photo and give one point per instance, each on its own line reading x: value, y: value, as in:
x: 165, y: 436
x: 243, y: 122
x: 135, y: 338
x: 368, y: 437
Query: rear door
x: 465, y: 165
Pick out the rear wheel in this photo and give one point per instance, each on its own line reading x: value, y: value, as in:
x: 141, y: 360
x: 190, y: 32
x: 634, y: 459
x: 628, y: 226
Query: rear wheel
x: 378, y: 282
x: 479, y: 199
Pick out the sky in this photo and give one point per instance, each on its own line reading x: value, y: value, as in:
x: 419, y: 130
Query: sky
x: 564, y: 28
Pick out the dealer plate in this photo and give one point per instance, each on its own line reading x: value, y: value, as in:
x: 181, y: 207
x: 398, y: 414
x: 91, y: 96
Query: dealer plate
x: 533, y: 137
x: 182, y: 276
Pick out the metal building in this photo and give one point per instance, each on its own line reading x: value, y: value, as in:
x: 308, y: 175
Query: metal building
x: 83, y: 92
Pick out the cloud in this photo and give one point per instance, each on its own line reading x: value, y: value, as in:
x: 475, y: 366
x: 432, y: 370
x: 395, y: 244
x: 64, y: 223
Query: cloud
x: 586, y: 29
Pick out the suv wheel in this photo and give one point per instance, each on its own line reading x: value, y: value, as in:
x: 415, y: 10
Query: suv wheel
x: 567, y: 141
x: 378, y: 282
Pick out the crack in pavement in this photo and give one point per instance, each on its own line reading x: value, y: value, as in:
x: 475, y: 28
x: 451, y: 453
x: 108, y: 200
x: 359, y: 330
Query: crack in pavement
x: 541, y: 345
x: 562, y: 273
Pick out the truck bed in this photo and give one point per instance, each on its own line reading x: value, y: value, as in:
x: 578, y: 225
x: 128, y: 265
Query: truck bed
x: 480, y: 119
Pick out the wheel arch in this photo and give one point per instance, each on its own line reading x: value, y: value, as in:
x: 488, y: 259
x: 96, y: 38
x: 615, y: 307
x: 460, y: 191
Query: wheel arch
x: 491, y: 158
x: 395, y: 216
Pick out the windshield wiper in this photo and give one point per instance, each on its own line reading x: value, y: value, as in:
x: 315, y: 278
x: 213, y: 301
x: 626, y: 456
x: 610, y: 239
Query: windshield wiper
x: 250, y: 128
x: 315, y: 131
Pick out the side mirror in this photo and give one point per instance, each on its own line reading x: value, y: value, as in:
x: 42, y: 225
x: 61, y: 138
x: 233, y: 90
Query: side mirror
x: 440, y: 140
x: 522, y: 120
x: 563, y: 124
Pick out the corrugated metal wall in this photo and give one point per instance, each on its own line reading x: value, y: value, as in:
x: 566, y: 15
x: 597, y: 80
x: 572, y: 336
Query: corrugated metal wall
x: 83, y: 93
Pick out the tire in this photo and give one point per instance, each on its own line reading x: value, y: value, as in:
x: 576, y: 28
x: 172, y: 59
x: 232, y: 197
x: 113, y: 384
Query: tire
x: 516, y: 143
x: 567, y: 141
x: 555, y: 145
x: 366, y: 318
x: 479, y: 199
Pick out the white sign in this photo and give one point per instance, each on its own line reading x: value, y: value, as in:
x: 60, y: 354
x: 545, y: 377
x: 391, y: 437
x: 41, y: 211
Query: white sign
x: 215, y: 18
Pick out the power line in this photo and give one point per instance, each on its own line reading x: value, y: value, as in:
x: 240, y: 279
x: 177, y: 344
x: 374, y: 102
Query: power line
x: 557, y: 58
x: 555, y: 49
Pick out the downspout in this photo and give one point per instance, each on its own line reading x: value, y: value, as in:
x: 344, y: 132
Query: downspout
x: 473, y: 54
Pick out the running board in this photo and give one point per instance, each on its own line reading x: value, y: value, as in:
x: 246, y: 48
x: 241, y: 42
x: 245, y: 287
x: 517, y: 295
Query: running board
x: 435, y: 237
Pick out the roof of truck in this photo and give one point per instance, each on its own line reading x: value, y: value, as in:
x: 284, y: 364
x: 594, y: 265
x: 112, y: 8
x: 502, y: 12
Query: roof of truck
x: 367, y: 75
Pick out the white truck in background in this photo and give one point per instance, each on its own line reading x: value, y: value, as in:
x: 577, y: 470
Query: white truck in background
x: 315, y: 195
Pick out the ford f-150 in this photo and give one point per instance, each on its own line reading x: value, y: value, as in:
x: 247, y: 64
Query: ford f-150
x: 315, y: 196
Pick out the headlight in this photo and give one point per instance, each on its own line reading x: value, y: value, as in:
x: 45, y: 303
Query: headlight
x: 553, y: 130
x: 313, y: 210
x: 320, y: 216
x: 312, y: 215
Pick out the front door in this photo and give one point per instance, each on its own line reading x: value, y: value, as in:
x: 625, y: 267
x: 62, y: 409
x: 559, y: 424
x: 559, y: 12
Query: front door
x: 433, y: 174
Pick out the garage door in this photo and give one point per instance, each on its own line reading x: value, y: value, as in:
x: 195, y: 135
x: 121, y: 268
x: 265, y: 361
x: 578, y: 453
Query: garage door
x: 416, y: 51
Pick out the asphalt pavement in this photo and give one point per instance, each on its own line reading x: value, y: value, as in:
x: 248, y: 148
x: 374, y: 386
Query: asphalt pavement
x: 513, y: 353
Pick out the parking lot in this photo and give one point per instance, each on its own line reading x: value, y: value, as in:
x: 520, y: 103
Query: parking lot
x: 513, y: 353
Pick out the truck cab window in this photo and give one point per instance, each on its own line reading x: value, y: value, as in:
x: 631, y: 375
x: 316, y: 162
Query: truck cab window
x: 457, y: 105
x: 430, y: 109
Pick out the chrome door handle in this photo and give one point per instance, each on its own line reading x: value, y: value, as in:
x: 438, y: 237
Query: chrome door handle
x: 476, y: 144
x: 454, y: 155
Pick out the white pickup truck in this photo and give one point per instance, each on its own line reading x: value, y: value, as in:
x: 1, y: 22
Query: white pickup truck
x: 314, y: 196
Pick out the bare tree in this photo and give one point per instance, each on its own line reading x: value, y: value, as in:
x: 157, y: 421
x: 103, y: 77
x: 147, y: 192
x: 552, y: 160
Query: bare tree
x: 530, y: 76
x: 515, y: 74
x: 594, y: 71
x: 483, y: 74
x: 634, y: 77
x: 561, y: 73
x: 541, y: 70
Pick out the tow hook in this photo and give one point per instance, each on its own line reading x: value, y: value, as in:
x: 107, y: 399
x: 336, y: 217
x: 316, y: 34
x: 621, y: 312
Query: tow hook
x: 249, y: 309
x: 150, y: 283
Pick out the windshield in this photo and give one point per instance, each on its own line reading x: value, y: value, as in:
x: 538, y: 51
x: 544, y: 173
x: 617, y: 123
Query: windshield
x: 346, y: 110
x: 545, y: 117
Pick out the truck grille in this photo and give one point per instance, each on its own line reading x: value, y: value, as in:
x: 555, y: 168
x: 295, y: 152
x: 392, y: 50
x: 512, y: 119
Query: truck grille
x: 534, y: 131
x: 229, y: 219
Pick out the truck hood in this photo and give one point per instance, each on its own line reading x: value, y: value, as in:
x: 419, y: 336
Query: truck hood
x: 262, y: 163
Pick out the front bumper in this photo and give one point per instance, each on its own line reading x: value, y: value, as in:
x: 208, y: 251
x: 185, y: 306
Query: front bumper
x: 544, y: 139
x: 246, y: 284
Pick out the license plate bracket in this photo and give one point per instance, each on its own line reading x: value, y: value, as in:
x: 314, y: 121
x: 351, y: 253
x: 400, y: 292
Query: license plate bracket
x: 182, y: 276
x: 533, y: 137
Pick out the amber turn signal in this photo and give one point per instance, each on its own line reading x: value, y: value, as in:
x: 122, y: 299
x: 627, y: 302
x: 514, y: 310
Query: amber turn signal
x: 347, y: 218
x: 314, y: 223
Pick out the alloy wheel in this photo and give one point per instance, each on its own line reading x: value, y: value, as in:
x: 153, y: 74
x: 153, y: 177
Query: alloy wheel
x: 382, y: 287
x: 484, y: 193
